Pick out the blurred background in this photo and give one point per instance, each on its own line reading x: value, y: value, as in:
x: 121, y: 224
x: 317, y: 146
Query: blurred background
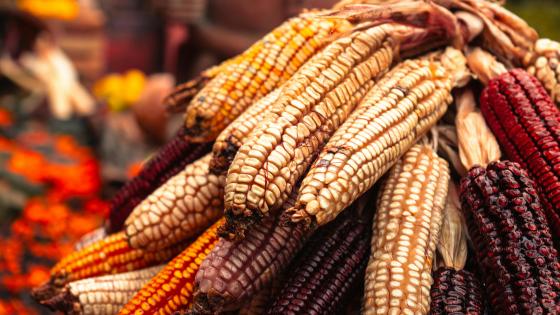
x: 81, y: 85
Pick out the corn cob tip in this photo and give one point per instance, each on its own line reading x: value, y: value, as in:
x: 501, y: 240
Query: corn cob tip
x: 63, y: 301
x: 207, y: 303
x: 179, y: 99
x: 235, y: 226
x: 219, y: 164
x: 45, y: 291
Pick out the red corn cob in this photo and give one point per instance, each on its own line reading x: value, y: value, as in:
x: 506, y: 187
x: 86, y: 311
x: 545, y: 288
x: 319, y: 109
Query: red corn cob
x: 526, y: 123
x: 512, y: 240
x: 169, y: 160
x: 322, y: 275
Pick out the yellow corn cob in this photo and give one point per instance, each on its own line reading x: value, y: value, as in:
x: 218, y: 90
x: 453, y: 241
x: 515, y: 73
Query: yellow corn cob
x: 183, y: 207
x: 405, y: 233
x: 312, y: 106
x: 108, y: 256
x: 263, y: 67
x: 172, y: 288
x: 405, y: 103
x: 104, y: 295
x: 543, y: 63
x: 231, y: 138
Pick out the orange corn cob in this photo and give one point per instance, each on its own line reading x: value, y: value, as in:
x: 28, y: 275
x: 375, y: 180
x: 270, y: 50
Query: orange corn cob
x: 262, y: 68
x: 172, y: 288
x: 108, y: 256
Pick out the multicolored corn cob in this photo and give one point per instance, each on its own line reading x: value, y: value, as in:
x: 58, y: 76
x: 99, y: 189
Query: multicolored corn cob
x: 179, y: 209
x: 406, y: 230
x: 400, y: 109
x: 455, y: 290
x: 330, y: 264
x: 263, y: 67
x: 526, y: 123
x: 512, y: 239
x: 169, y: 160
x: 543, y: 63
x: 104, y: 295
x: 235, y: 271
x: 172, y: 288
x: 110, y: 255
x: 230, y: 139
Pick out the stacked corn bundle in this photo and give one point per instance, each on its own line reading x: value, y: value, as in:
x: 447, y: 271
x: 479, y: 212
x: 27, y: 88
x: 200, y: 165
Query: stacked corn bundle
x: 306, y: 121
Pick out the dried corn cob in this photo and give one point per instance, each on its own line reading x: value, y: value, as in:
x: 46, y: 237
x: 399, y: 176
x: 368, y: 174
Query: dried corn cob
x: 329, y: 265
x: 455, y: 290
x: 172, y: 288
x: 228, y: 142
x: 263, y: 67
x: 104, y: 295
x: 526, y: 123
x: 394, y: 114
x: 235, y: 271
x: 543, y: 62
x: 512, y: 240
x: 405, y: 233
x: 108, y: 256
x: 90, y: 238
x: 181, y: 208
x: 169, y: 160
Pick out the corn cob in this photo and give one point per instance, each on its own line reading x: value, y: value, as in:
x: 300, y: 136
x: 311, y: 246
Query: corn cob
x: 181, y: 208
x: 526, y: 123
x: 104, y: 295
x: 394, y: 114
x: 168, y: 161
x: 543, y: 62
x: 108, y: 256
x: 329, y: 265
x: 90, y: 238
x: 512, y: 240
x: 172, y: 288
x: 230, y: 139
x: 263, y: 67
x: 405, y: 233
x: 235, y: 271
x: 455, y: 290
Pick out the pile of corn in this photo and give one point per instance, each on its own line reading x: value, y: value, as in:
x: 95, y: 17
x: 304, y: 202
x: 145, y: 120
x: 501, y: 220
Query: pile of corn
x: 316, y: 174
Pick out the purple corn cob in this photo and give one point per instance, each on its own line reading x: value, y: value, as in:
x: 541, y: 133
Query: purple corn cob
x: 327, y: 268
